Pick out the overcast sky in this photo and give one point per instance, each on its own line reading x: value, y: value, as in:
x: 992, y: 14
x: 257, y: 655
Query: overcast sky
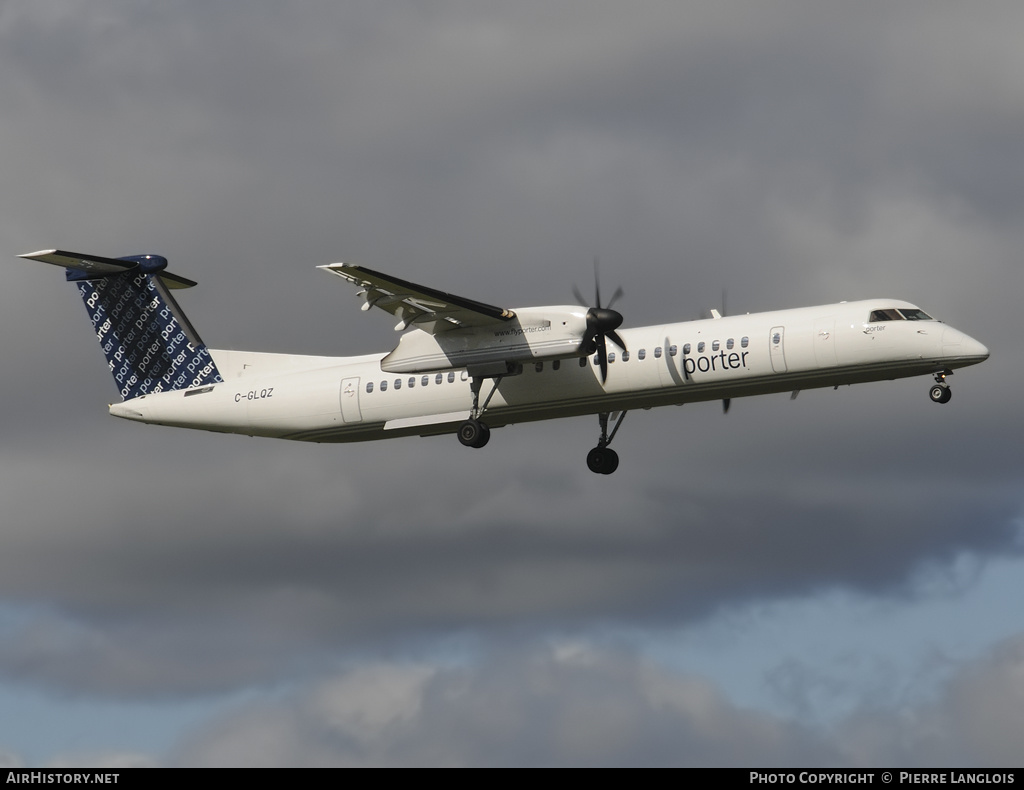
x: 831, y: 581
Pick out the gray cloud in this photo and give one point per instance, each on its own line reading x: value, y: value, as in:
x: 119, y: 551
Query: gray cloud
x: 541, y: 708
x: 160, y: 575
x: 576, y: 705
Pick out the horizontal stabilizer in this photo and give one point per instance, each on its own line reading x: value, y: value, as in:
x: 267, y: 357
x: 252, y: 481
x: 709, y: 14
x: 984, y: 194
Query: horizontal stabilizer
x: 82, y: 267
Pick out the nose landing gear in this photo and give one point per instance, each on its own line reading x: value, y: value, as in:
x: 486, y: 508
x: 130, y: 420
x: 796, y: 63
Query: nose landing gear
x: 940, y: 391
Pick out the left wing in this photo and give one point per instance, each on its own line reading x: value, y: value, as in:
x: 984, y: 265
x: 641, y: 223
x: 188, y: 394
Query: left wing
x: 416, y: 305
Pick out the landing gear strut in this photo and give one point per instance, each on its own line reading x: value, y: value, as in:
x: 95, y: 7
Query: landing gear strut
x: 940, y: 391
x: 602, y: 459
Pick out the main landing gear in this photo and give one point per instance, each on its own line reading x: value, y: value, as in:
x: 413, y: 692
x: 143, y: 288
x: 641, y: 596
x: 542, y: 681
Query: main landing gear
x: 602, y: 460
x: 473, y: 432
x: 940, y: 391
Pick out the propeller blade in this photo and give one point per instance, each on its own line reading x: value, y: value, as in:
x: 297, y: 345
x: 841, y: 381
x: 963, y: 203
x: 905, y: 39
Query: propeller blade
x: 725, y: 405
x: 597, y: 283
x: 614, y: 337
x: 578, y: 295
x: 617, y: 295
x: 602, y: 357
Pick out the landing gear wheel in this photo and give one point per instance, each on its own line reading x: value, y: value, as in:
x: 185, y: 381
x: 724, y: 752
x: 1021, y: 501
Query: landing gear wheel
x: 473, y: 433
x: 940, y: 393
x: 602, y: 460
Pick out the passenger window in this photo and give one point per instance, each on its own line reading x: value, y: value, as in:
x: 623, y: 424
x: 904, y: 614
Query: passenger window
x: 425, y: 381
x: 451, y: 376
x: 412, y: 382
x: 369, y: 386
x: 398, y: 384
x: 641, y: 354
x: 439, y: 378
x: 625, y: 356
x: 714, y: 345
x: 672, y: 351
x: 700, y: 347
x: 745, y: 342
x: 611, y: 356
x: 556, y: 364
x: 383, y: 386
x: 539, y: 367
x: 729, y: 344
x: 657, y: 353
x: 583, y: 362
x: 686, y: 349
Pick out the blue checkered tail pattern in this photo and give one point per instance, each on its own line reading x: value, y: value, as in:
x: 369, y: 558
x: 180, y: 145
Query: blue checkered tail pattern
x: 149, y: 343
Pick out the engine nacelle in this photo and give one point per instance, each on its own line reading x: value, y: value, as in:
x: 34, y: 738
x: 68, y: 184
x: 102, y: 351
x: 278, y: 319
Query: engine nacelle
x: 536, y: 333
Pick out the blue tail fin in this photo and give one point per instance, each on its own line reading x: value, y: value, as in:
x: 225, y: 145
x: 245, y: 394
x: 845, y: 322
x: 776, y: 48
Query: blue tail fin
x: 149, y: 343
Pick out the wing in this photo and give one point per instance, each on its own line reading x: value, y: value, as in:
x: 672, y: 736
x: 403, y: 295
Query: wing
x: 416, y: 305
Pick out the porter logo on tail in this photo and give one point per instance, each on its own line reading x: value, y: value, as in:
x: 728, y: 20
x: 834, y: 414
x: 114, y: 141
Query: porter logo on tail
x: 149, y: 343
x: 147, y: 347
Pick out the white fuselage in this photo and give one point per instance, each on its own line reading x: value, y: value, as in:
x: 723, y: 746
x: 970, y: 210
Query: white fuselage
x: 341, y: 399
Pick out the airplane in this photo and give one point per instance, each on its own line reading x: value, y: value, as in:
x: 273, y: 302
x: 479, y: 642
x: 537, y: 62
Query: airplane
x: 464, y: 367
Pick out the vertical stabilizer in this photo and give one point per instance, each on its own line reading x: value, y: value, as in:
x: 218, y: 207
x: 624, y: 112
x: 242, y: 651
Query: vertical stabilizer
x: 149, y: 343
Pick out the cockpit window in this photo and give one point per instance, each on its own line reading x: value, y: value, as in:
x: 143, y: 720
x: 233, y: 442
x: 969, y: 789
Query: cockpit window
x: 903, y: 314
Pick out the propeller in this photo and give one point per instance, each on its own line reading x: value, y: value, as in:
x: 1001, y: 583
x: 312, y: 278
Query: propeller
x: 602, y: 322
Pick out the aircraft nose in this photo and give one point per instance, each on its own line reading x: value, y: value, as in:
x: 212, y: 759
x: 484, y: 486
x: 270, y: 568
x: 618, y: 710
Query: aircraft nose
x: 972, y: 348
x: 956, y: 344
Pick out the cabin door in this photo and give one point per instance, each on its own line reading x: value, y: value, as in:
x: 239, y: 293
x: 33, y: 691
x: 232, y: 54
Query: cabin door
x: 350, y: 400
x: 776, y: 342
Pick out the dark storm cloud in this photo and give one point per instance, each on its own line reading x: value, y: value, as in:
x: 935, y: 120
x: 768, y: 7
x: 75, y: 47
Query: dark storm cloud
x: 794, y: 155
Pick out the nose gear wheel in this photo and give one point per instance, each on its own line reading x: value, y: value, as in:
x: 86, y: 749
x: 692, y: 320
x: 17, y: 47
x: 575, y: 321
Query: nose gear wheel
x: 940, y: 391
